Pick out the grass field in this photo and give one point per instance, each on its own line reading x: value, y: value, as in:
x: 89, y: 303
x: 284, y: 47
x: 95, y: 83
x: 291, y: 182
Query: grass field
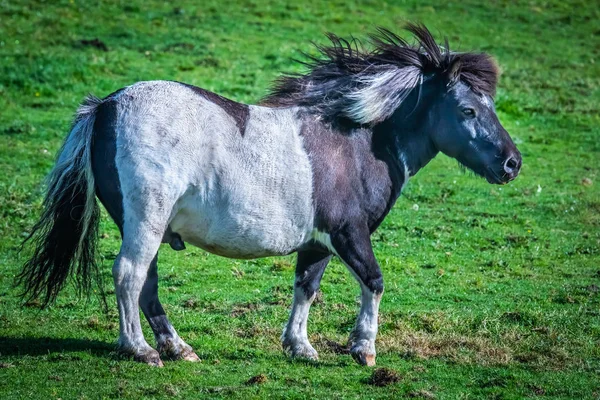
x: 491, y: 292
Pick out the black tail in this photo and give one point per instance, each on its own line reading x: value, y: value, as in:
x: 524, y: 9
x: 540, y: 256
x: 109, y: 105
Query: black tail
x: 64, y: 239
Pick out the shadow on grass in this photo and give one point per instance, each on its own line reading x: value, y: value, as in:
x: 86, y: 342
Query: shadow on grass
x: 58, y: 349
x: 10, y: 346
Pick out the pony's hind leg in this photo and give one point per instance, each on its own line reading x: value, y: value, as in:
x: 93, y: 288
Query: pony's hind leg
x: 168, y: 341
x: 145, y: 222
x: 129, y: 272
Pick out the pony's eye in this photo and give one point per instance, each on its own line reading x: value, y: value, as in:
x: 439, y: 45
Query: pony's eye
x: 468, y: 112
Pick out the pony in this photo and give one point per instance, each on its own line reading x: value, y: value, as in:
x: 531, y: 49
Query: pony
x: 313, y: 169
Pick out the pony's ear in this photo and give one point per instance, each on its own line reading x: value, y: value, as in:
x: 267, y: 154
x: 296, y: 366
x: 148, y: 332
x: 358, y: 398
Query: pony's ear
x: 453, y: 72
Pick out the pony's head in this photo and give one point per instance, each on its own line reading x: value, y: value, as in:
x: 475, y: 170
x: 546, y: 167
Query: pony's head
x: 446, y: 96
x: 465, y: 126
x: 460, y: 114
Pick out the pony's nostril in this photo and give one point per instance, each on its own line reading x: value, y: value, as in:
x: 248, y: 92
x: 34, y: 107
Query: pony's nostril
x: 511, y: 165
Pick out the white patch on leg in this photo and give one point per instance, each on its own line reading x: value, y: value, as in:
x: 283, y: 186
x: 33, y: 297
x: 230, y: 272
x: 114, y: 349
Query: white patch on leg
x: 362, y: 338
x: 295, y: 336
x: 366, y: 323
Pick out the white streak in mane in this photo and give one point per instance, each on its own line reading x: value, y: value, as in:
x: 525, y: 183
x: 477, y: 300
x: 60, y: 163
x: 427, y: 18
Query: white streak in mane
x: 381, y: 94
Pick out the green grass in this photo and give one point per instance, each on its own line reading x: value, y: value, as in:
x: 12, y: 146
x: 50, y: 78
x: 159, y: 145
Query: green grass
x: 491, y: 292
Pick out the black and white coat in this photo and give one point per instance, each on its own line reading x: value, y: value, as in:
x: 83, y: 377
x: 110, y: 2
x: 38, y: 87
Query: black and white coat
x: 178, y: 163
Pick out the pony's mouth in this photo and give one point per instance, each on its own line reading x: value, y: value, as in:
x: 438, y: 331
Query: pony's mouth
x: 492, y: 177
x: 490, y: 174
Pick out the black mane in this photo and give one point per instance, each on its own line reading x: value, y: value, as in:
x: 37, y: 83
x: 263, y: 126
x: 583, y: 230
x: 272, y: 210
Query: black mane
x: 367, y: 86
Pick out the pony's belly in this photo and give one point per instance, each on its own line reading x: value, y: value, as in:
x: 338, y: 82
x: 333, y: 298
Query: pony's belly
x: 226, y: 233
x: 232, y: 249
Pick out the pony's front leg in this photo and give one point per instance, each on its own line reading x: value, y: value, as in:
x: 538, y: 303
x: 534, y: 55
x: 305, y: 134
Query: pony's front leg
x: 309, y: 271
x: 168, y: 341
x: 353, y: 245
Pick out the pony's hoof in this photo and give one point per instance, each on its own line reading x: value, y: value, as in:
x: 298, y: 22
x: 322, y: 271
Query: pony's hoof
x: 151, y: 358
x: 306, y: 354
x: 301, y: 351
x: 193, y: 357
x: 363, y: 358
x: 176, y: 351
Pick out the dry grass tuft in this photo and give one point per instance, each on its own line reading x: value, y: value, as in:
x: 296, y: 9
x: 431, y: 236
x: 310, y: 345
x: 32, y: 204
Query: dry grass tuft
x: 331, y: 345
x: 463, y: 349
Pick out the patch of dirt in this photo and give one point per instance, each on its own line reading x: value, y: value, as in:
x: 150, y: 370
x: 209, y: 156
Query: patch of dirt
x: 281, y: 265
x: 593, y: 288
x: 243, y: 308
x: 171, y: 390
x: 318, y: 298
x: 257, y: 380
x: 93, y: 323
x: 333, y: 346
x: 422, y: 394
x: 420, y: 369
x: 279, y: 296
x: 33, y: 303
x: 518, y: 317
x: 255, y: 331
x: 190, y: 303
x: 537, y: 390
x: 586, y: 182
x: 208, y: 62
x: 96, y: 43
x: 383, y: 377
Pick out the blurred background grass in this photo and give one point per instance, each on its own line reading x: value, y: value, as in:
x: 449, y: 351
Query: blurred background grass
x: 491, y: 292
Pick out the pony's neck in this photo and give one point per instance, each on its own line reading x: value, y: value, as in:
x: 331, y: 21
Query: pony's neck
x: 406, y: 134
x: 407, y: 151
x: 414, y: 150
